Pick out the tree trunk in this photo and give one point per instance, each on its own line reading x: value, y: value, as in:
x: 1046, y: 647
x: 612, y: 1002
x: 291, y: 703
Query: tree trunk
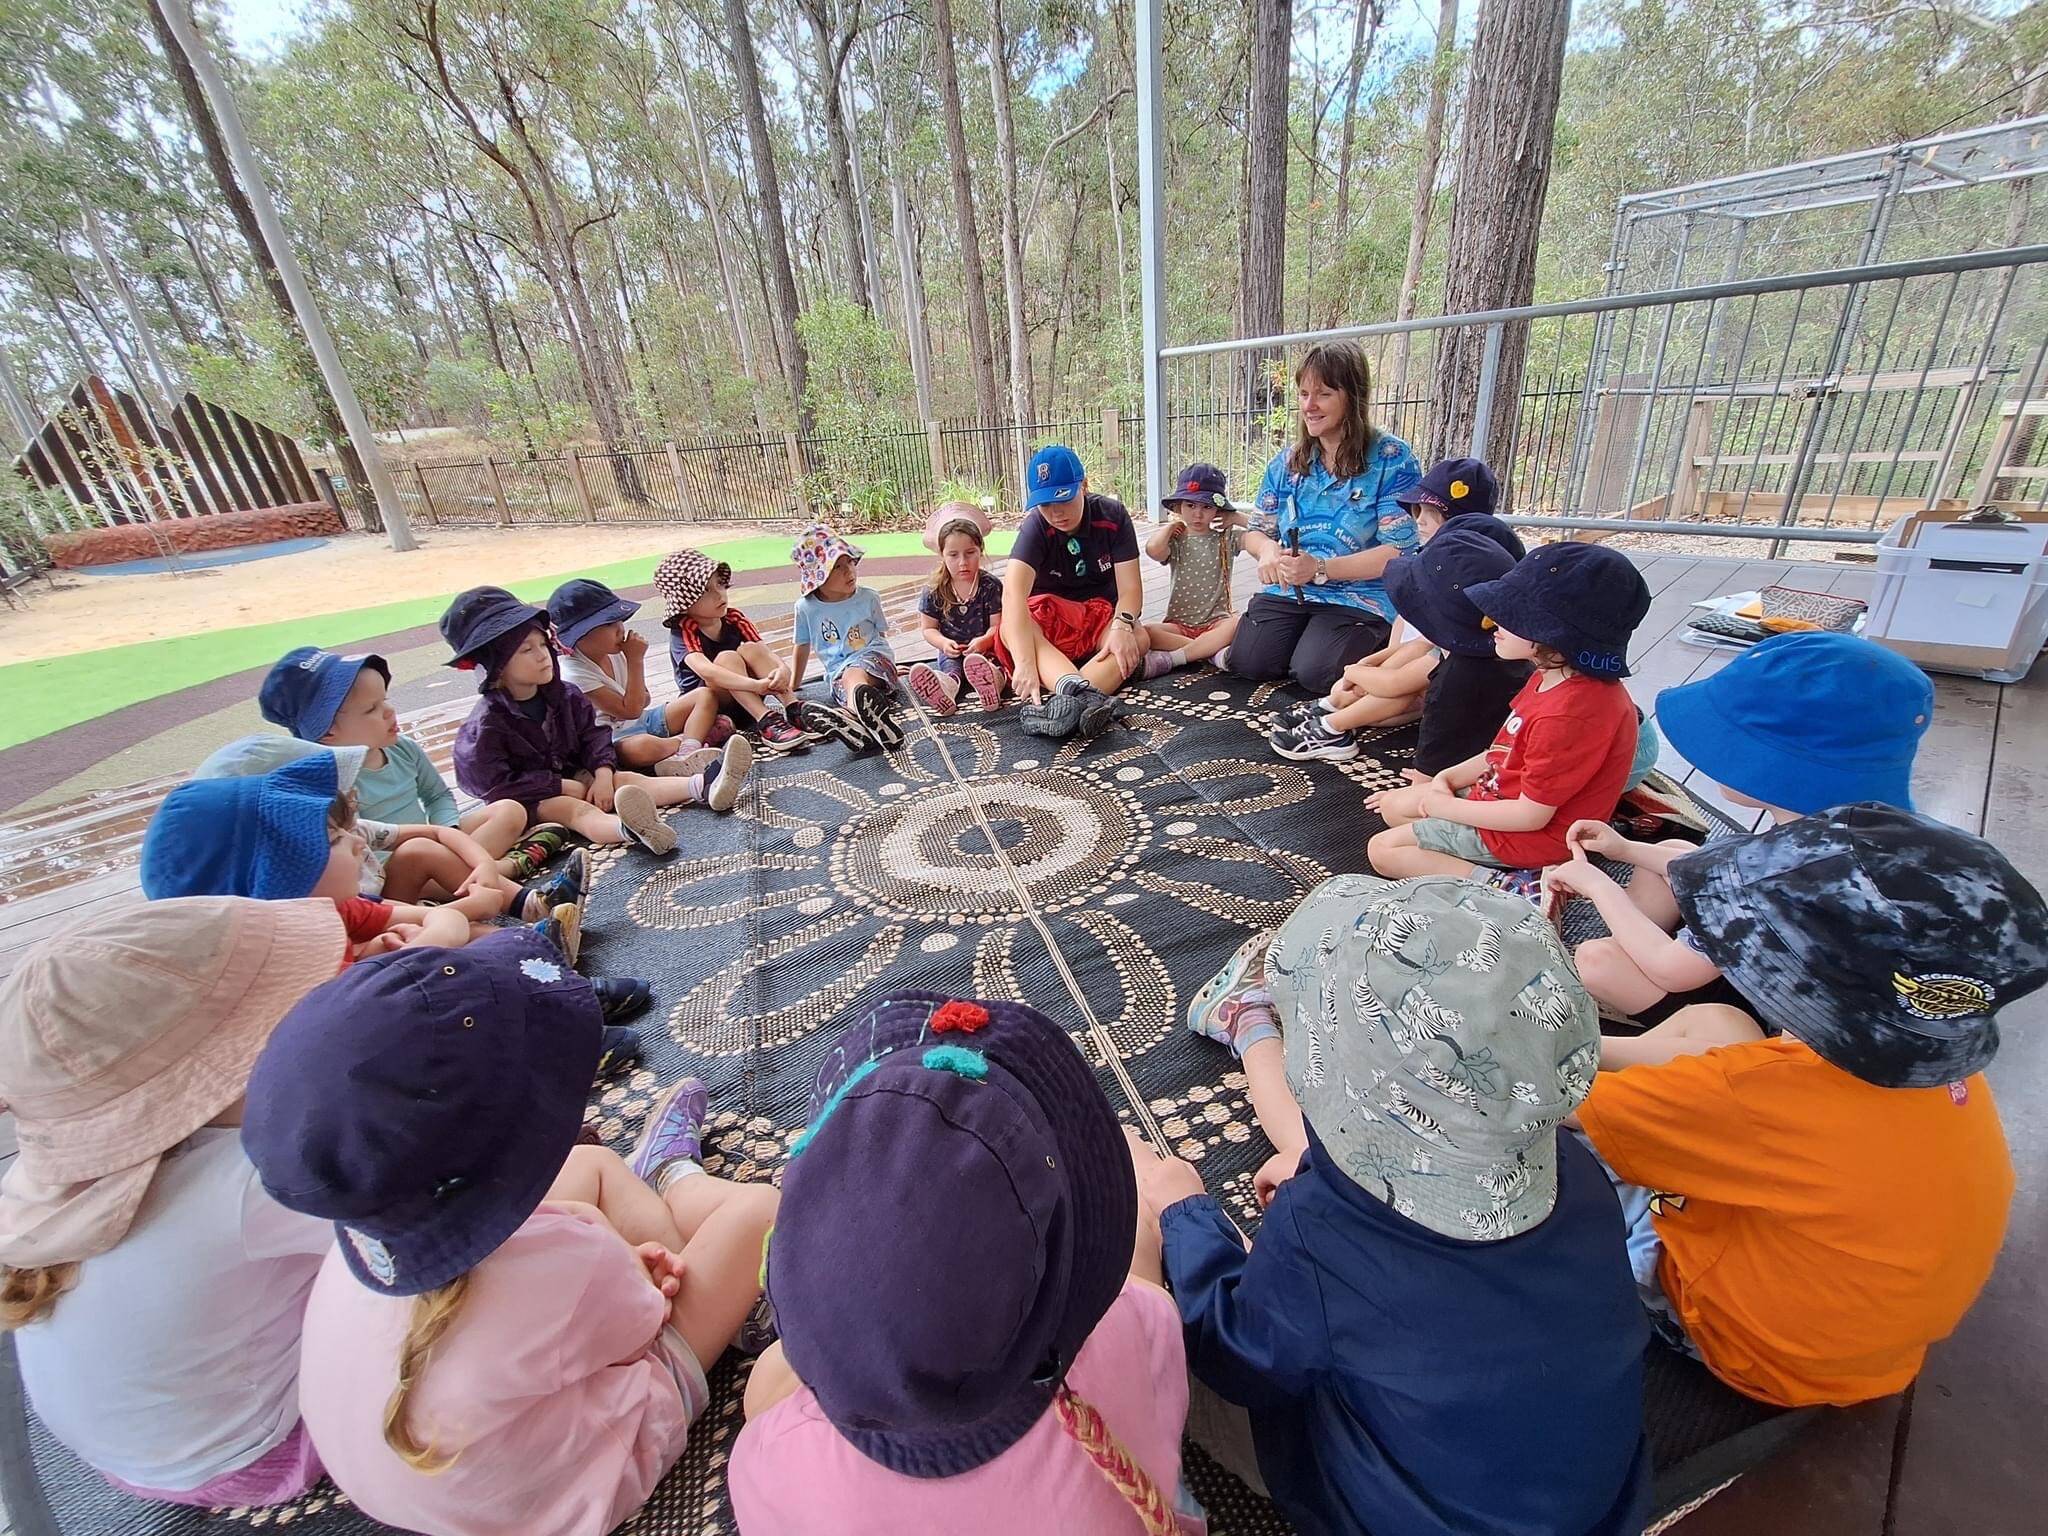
x: 1265, y: 264
x: 795, y: 363
x: 1425, y: 187
x: 299, y: 352
x: 1364, y: 34
x: 980, y: 345
x: 1022, y: 406
x: 735, y: 313
x: 1503, y: 173
x: 819, y: 14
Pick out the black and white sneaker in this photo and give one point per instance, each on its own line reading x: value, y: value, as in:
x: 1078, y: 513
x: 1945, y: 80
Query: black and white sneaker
x: 1316, y: 741
x: 830, y: 723
x: 1098, y: 710
x: 876, y: 707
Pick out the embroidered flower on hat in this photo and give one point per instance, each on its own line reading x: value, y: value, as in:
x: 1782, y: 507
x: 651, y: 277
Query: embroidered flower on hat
x: 957, y: 1015
x: 536, y: 969
x: 376, y: 1258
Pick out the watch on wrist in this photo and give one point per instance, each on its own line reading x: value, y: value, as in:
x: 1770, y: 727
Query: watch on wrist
x: 1128, y: 620
x: 1322, y: 573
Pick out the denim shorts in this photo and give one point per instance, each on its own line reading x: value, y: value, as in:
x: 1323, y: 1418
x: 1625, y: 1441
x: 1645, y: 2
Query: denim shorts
x: 1456, y: 839
x: 1645, y: 1254
x: 877, y: 663
x: 653, y: 721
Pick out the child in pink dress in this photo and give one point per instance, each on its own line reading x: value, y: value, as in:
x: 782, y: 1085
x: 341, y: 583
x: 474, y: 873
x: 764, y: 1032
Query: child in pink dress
x: 512, y: 1334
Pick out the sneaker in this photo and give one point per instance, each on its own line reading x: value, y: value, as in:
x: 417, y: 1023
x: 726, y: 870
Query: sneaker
x: 1314, y: 741
x: 724, y: 779
x: 759, y: 1330
x: 1097, y: 712
x: 1233, y: 1008
x: 1221, y: 660
x: 686, y: 764
x: 876, y: 707
x: 673, y: 1129
x: 1527, y: 884
x: 936, y: 690
x: 641, y: 821
x: 620, y: 1050
x: 986, y: 678
x: 722, y: 730
x: 778, y: 730
x: 1058, y: 716
x: 563, y: 928
x: 1159, y: 663
x: 828, y: 722
x: 621, y: 997
x: 542, y: 896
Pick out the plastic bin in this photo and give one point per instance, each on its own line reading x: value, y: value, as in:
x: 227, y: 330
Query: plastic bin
x: 1960, y: 596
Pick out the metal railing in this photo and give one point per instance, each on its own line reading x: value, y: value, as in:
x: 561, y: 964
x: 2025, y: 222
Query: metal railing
x: 1808, y: 406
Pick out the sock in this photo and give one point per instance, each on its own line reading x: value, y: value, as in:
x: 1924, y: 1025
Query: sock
x: 775, y: 703
x: 1073, y: 682
x: 1159, y: 663
x: 675, y: 1168
x: 1221, y: 660
x: 689, y: 744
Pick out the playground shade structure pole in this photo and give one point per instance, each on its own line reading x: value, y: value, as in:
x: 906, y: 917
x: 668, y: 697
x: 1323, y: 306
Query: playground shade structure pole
x: 250, y: 170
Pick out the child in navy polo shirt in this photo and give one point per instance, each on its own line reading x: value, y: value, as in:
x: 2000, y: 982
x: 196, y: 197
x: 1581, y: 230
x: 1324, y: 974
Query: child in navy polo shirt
x: 1565, y: 751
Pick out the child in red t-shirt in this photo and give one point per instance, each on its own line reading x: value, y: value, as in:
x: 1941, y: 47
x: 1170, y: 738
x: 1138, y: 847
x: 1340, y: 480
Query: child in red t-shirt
x: 1563, y: 754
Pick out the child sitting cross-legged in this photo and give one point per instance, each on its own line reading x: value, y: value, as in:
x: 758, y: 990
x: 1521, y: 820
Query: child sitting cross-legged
x: 534, y: 739
x: 713, y: 646
x: 1198, y: 544
x: 843, y: 621
x: 960, y: 612
x: 1792, y: 726
x: 970, y: 1341
x: 1565, y: 750
x: 1809, y: 1211
x: 1467, y: 686
x: 343, y: 702
x: 512, y: 1332
x: 1434, y: 1331
x: 607, y: 661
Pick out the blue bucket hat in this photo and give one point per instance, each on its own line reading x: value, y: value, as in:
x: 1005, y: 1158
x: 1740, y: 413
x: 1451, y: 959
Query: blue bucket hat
x: 1055, y: 474
x: 954, y: 1223
x: 1805, y: 721
x: 424, y: 1100
x: 1492, y: 527
x: 262, y: 837
x: 1203, y: 483
x: 1454, y: 487
x: 306, y: 687
x: 480, y: 616
x: 1884, y: 940
x: 1581, y: 600
x: 575, y: 608
x: 1429, y: 588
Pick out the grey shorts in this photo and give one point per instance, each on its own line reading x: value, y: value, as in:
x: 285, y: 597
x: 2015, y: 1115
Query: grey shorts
x: 1456, y: 839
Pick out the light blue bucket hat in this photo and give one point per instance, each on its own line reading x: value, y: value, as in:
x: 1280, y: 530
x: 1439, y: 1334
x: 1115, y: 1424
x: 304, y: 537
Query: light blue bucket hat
x: 1436, y: 1037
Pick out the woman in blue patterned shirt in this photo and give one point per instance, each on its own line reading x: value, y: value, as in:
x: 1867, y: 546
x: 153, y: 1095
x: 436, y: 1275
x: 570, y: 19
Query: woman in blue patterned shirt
x: 1329, y: 523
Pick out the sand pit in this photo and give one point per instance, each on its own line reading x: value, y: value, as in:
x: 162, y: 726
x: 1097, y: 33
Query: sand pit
x: 86, y: 612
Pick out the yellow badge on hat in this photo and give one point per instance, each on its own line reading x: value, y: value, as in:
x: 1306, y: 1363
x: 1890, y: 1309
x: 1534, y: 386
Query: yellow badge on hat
x: 1459, y: 489
x: 1943, y: 996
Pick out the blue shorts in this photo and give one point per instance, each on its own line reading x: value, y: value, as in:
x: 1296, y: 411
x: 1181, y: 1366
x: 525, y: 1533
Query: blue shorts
x: 1645, y: 1253
x: 877, y: 663
x: 653, y: 721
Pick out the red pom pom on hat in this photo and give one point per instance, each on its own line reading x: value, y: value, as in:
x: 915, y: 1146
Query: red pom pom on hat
x: 957, y: 1015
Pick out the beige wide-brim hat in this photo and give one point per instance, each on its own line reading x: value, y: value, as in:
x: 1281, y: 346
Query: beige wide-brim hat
x: 125, y: 1034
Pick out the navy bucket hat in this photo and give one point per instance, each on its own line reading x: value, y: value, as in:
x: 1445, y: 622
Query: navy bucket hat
x: 481, y: 616
x: 954, y: 1223
x: 1429, y: 588
x: 1805, y: 721
x: 575, y: 608
x: 1454, y: 487
x: 1581, y: 600
x: 424, y: 1101
x: 1203, y: 483
x: 1884, y: 940
x: 264, y: 837
x: 306, y: 687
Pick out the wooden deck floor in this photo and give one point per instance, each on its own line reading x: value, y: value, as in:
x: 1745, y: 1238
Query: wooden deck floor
x: 1960, y: 1452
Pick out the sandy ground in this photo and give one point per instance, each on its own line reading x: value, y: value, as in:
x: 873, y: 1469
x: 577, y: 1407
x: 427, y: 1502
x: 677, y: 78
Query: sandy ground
x: 1706, y: 546
x: 86, y: 612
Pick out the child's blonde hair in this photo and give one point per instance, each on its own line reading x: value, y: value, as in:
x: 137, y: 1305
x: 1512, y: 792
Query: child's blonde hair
x: 1079, y: 1418
x: 28, y: 1295
x: 969, y: 523
x: 432, y: 1313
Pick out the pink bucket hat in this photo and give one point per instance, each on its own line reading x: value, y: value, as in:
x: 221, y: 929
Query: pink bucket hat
x: 816, y: 551
x: 123, y: 1036
x: 949, y: 513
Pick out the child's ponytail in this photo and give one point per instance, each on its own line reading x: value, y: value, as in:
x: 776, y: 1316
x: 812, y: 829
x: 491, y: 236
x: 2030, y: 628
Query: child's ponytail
x: 28, y: 1295
x: 432, y: 1313
x: 1079, y: 1418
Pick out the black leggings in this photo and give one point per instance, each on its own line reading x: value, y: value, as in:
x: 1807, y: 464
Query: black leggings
x: 1311, y: 642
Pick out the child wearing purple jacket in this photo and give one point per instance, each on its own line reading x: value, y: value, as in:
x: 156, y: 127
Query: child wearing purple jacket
x: 535, y: 740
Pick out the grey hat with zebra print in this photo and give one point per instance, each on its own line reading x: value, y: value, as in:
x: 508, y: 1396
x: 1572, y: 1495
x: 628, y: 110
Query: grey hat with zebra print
x: 1436, y: 1036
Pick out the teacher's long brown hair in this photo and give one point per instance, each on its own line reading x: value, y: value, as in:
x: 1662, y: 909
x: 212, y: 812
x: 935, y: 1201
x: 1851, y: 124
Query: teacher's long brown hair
x: 1339, y: 365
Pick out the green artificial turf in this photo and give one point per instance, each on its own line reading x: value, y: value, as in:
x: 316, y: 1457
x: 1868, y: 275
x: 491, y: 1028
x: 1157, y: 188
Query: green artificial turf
x: 38, y: 697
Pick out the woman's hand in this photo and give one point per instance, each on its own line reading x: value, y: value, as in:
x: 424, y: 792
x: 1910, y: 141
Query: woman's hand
x: 1295, y: 570
x: 664, y: 1267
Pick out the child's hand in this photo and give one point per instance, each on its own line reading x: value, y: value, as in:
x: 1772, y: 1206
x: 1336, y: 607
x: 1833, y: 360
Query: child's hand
x: 391, y: 938
x: 1273, y: 1172
x: 1585, y: 837
x: 1162, y: 1181
x: 947, y: 646
x: 634, y: 645
x: 784, y: 681
x: 1175, y: 528
x: 1575, y: 877
x: 602, y: 790
x: 664, y: 1267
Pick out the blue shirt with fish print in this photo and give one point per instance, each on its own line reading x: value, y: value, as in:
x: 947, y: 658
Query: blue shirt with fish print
x: 1341, y: 517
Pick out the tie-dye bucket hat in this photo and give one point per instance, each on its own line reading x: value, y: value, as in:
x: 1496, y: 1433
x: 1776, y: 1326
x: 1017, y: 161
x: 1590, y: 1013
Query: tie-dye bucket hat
x: 817, y: 549
x: 1436, y: 1036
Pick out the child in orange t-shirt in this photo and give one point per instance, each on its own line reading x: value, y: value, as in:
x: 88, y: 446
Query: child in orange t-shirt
x: 1564, y: 752
x: 1807, y: 1213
